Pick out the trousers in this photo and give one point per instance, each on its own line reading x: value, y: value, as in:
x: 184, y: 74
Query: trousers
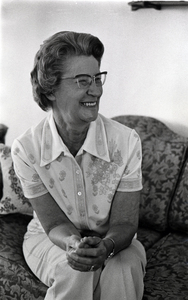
x: 121, y: 278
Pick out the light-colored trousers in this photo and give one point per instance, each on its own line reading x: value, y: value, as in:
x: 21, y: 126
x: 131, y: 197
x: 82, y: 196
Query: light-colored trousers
x: 121, y: 278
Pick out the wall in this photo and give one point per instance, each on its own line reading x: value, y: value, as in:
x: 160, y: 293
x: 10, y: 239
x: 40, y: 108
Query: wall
x: 146, y: 58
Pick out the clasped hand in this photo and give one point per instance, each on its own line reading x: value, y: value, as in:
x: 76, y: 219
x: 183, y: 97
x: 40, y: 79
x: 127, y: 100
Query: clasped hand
x: 86, y: 254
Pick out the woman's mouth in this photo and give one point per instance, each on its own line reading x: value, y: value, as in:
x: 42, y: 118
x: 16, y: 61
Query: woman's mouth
x: 89, y: 104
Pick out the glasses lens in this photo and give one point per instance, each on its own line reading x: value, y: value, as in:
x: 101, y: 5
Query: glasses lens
x: 100, y: 79
x: 84, y: 81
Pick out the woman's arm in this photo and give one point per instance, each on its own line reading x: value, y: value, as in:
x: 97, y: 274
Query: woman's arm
x: 60, y: 230
x: 123, y: 223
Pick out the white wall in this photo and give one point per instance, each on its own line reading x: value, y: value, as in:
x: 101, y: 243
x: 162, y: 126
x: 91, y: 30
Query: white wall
x: 146, y: 58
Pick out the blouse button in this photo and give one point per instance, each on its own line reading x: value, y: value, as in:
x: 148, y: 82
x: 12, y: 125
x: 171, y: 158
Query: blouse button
x: 79, y: 193
x: 77, y: 172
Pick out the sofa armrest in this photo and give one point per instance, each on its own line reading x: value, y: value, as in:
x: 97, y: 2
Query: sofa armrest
x: 163, y: 157
x: 178, y: 213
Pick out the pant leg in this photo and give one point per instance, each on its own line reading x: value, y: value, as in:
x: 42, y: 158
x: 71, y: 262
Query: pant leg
x: 48, y: 262
x: 122, y: 277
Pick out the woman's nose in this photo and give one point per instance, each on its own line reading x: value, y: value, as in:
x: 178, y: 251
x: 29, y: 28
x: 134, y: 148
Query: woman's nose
x: 94, y: 90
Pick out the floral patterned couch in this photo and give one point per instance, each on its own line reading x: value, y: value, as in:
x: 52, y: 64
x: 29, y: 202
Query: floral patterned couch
x: 163, y: 227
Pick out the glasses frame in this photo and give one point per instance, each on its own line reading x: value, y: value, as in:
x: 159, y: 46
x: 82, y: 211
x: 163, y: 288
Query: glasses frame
x: 92, y: 77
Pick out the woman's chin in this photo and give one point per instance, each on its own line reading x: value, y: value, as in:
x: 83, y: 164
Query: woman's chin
x: 90, y: 115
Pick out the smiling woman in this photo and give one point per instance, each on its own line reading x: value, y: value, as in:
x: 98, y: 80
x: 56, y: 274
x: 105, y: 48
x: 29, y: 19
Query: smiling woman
x: 82, y: 175
x: 74, y: 106
x: 53, y: 58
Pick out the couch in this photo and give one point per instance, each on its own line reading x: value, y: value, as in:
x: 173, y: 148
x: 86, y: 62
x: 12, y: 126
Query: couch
x: 163, y: 219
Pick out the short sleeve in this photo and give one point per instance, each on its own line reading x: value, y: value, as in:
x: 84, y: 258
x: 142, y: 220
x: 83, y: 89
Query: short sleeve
x: 132, y: 176
x: 24, y: 166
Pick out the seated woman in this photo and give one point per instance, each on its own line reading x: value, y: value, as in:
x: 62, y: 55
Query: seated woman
x: 82, y: 174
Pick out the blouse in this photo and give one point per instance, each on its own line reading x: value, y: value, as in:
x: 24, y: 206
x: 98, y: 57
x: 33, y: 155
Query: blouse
x: 83, y: 186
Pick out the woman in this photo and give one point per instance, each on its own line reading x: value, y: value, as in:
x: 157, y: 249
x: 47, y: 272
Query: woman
x: 82, y: 174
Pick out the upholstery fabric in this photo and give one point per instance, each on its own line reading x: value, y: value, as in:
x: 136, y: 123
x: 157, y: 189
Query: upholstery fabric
x: 163, y: 156
x: 178, y: 215
x: 13, y: 200
x: 148, y: 237
x: 16, y: 280
x: 167, y: 272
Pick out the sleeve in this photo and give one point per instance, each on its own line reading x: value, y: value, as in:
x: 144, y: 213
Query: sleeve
x: 25, y: 170
x: 131, y: 180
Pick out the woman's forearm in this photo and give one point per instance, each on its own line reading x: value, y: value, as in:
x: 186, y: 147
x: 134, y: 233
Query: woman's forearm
x: 63, y: 235
x: 123, y: 222
x: 121, y: 235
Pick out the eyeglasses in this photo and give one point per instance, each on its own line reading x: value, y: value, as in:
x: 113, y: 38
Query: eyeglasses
x: 84, y: 80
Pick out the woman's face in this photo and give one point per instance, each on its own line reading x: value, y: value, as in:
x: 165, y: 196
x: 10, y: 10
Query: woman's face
x: 71, y: 104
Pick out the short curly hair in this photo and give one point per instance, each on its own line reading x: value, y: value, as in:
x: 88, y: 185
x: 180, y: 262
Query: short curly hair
x: 50, y: 61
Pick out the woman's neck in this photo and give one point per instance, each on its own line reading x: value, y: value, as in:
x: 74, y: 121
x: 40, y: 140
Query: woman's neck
x: 72, y: 136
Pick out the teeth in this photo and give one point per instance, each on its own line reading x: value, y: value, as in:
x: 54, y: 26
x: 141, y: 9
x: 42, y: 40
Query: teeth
x: 89, y: 104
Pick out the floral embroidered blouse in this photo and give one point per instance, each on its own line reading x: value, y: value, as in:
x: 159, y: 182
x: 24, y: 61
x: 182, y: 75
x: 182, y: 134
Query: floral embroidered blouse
x: 84, y: 185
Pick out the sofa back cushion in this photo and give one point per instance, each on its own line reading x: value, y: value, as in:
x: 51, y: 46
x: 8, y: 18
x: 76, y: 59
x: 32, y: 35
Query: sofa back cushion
x: 163, y: 154
x: 178, y: 213
x: 12, y: 200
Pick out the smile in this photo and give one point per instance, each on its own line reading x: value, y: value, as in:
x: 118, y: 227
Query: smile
x: 89, y: 104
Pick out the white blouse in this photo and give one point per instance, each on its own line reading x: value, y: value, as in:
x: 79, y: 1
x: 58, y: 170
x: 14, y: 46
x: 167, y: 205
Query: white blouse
x: 83, y: 186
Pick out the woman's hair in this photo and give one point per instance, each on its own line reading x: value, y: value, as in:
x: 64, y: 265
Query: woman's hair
x: 50, y: 61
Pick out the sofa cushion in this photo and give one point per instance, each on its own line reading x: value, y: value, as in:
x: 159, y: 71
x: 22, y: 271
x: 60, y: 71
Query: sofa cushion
x: 12, y: 230
x: 167, y: 272
x: 15, y: 276
x: 178, y: 214
x: 148, y: 237
x: 13, y: 200
x: 162, y: 162
x: 163, y: 156
x: 17, y: 283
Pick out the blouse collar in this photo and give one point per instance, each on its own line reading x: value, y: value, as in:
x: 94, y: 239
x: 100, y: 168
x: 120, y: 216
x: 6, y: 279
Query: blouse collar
x: 53, y: 146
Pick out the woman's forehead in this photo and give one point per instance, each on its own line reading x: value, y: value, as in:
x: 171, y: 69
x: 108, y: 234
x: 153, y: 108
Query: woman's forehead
x: 82, y: 65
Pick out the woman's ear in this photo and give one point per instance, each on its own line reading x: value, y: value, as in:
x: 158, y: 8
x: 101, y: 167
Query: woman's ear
x: 51, y: 97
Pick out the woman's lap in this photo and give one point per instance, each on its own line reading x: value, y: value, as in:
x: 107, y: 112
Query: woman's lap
x: 48, y: 262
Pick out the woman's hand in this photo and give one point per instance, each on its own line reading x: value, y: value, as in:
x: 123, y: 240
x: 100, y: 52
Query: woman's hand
x: 72, y: 243
x: 89, y: 254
